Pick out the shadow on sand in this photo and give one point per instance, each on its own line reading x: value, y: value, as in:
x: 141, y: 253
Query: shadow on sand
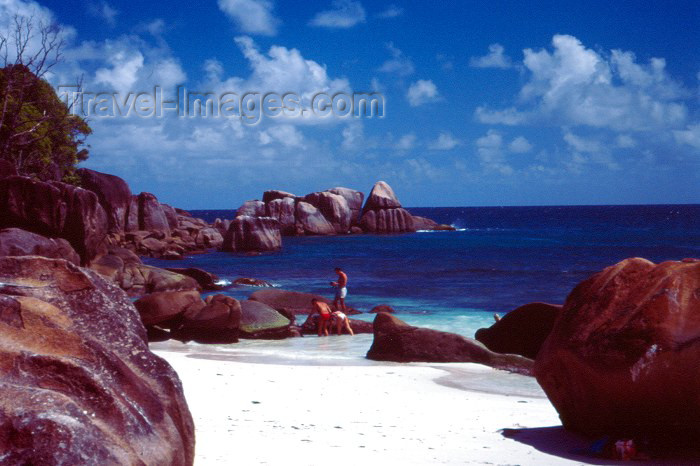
x: 557, y: 441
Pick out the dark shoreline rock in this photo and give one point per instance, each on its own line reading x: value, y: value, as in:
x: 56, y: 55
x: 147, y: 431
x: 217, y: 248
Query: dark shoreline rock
x: 521, y: 331
x: 395, y: 340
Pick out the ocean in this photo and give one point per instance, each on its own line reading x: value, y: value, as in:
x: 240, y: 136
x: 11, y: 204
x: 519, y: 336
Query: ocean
x: 500, y: 258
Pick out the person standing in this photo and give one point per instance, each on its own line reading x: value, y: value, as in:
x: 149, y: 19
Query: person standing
x: 341, y: 290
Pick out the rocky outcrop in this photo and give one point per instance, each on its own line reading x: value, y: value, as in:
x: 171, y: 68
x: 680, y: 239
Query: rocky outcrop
x: 165, y: 308
x: 382, y: 308
x: 113, y: 193
x: 206, y: 280
x: 151, y: 214
x: 284, y: 211
x: 354, y: 200
x: 252, y: 282
x: 125, y: 269
x: 622, y: 358
x: 260, y: 321
x: 79, y: 385
x: 395, y: 340
x: 521, y: 331
x: 17, y: 242
x: 218, y: 321
x: 253, y: 234
x: 334, y: 209
x: 310, y: 220
x: 382, y: 212
x: 54, y: 210
x: 273, y: 195
x: 253, y: 208
x: 287, y: 302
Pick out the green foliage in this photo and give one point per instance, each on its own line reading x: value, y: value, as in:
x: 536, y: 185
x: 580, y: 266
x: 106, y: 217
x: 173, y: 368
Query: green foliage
x: 38, y: 133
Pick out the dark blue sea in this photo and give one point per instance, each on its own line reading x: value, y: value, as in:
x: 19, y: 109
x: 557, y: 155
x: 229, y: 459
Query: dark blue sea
x: 501, y: 258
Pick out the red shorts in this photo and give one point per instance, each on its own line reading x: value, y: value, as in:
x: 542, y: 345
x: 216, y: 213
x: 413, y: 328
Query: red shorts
x: 325, y: 316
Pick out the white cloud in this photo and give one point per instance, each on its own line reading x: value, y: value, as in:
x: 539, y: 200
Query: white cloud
x: 287, y: 135
x: 252, y: 16
x: 104, y: 11
x: 444, y: 141
x: 392, y: 11
x: 353, y: 136
x: 398, y: 63
x: 345, y: 14
x: 123, y: 71
x: 581, y: 144
x: 494, y: 59
x: 489, y: 148
x: 406, y: 142
x: 690, y: 136
x: 520, y: 145
x: 422, y: 92
x: 625, y: 141
x: 574, y: 85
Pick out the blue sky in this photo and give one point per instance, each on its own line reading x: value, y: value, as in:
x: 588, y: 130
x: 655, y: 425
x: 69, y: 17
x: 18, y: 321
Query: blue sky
x: 487, y: 103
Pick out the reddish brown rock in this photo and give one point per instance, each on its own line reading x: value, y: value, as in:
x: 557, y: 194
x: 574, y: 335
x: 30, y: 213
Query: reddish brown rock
x: 171, y: 216
x: 334, y: 209
x: 284, y: 300
x: 311, y: 221
x: 521, y: 331
x: 284, y: 210
x: 387, y: 221
x: 166, y: 308
x: 252, y: 282
x: 55, y: 209
x: 151, y: 214
x: 354, y: 200
x: 218, y: 321
x: 7, y: 169
x: 113, y: 193
x: 253, y: 234
x: 252, y: 208
x: 395, y: 340
x: 206, y: 280
x: 16, y: 242
x: 624, y: 355
x: 382, y: 308
x: 422, y: 223
x: 78, y: 384
x: 273, y: 195
x: 209, y: 238
x: 381, y: 197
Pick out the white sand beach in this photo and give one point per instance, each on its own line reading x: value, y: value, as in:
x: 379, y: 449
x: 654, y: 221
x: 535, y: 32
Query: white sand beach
x: 260, y: 413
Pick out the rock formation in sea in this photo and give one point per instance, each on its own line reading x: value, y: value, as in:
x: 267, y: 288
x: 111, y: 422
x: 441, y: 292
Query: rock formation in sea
x: 521, y: 331
x: 395, y: 340
x: 337, y: 211
x: 79, y: 385
x: 248, y: 233
x: 623, y: 357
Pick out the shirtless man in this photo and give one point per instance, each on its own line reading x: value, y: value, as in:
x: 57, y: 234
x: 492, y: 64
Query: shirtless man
x: 341, y: 289
x: 324, y: 316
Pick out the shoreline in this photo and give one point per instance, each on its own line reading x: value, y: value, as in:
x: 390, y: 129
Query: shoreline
x: 384, y: 413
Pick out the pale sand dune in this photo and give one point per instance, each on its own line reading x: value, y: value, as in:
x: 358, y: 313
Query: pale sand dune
x: 248, y: 414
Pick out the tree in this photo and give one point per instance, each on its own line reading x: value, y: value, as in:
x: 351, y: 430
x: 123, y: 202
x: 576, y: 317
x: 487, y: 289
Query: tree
x: 39, y: 134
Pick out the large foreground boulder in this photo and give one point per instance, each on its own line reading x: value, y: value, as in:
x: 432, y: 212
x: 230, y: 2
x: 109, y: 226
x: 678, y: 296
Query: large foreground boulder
x: 78, y: 384
x: 253, y: 234
x: 258, y: 320
x: 624, y: 355
x: 218, y: 321
x: 17, y: 242
x: 395, y: 340
x: 521, y: 331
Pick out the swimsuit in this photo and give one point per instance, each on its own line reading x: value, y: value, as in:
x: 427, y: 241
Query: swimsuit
x: 325, y: 316
x: 340, y: 315
x: 341, y: 293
